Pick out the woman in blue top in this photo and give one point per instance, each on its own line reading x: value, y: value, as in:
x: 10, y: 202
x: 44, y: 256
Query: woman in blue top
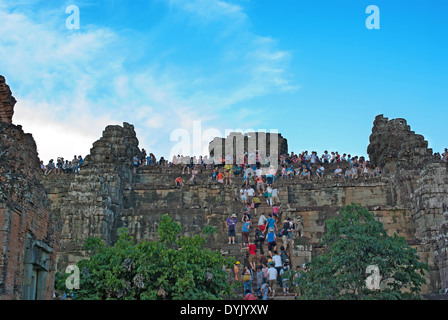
x: 270, y: 223
x: 245, y: 233
x: 272, y: 245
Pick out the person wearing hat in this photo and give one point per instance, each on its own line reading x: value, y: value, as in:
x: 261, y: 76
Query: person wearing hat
x: 236, y: 270
x: 231, y: 228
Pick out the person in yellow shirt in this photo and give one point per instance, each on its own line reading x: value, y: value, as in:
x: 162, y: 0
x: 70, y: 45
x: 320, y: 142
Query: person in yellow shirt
x: 256, y: 202
x: 228, y: 174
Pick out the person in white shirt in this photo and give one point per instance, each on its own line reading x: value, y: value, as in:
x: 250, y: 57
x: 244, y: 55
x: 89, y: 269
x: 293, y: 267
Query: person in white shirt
x: 277, y: 260
x: 269, y: 198
x: 250, y: 194
x: 326, y: 157
x: 313, y: 158
x: 307, y: 156
x: 320, y: 172
x: 272, y: 277
x: 275, y: 196
x: 445, y: 155
x: 278, y: 264
x: 262, y: 223
x: 338, y: 172
x: 243, y: 195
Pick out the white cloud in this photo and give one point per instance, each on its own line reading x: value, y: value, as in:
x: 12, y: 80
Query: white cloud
x: 71, y: 84
x: 57, y: 138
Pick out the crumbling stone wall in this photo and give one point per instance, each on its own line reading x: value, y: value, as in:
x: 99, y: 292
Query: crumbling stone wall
x: 29, y: 231
x: 90, y: 202
x: 195, y: 206
x: 429, y: 211
x: 236, y: 143
x: 393, y: 146
x: 7, y: 102
x: 420, y: 183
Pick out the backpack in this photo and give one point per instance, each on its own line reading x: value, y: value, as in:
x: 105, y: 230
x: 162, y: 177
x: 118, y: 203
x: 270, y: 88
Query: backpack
x: 282, y: 233
x: 259, y: 293
x: 246, y: 277
x: 284, y: 256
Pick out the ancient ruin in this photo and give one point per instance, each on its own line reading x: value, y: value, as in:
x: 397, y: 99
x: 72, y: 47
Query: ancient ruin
x: 410, y: 198
x: 237, y: 143
x: 29, y: 230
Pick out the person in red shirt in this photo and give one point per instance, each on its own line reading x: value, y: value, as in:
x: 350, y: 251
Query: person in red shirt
x: 220, y: 177
x: 252, y: 255
x: 179, y: 182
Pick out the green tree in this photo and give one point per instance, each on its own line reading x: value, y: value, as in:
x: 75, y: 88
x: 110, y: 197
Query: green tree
x: 353, y: 242
x: 174, y: 267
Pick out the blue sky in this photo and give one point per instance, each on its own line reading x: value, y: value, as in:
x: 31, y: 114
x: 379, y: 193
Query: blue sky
x: 310, y: 69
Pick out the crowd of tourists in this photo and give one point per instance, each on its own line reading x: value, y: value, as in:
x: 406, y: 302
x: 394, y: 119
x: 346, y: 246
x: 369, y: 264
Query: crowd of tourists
x: 269, y: 265
x: 261, y: 173
x: 62, y: 166
x: 305, y: 165
x: 443, y: 156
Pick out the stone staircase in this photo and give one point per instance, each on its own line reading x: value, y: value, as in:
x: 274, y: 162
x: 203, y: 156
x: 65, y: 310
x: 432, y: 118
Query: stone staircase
x: 151, y: 181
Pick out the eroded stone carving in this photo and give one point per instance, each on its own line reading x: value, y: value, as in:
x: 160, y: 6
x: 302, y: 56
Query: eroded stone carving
x: 7, y: 102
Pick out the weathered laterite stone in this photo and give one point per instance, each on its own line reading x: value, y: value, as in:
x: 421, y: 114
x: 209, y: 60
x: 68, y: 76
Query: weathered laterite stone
x: 7, y: 102
x: 29, y: 231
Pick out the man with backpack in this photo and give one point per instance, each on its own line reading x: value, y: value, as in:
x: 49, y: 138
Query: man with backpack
x: 287, y: 232
x: 284, y: 275
x: 284, y: 255
x: 259, y: 240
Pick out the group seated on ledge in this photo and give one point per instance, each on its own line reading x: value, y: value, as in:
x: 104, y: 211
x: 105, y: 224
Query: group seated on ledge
x: 302, y: 166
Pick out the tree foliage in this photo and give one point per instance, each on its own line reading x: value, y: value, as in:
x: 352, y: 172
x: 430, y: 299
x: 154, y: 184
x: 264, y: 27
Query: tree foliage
x: 354, y: 241
x: 174, y: 267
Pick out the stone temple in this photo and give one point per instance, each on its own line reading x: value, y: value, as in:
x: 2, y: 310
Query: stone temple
x: 44, y: 221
